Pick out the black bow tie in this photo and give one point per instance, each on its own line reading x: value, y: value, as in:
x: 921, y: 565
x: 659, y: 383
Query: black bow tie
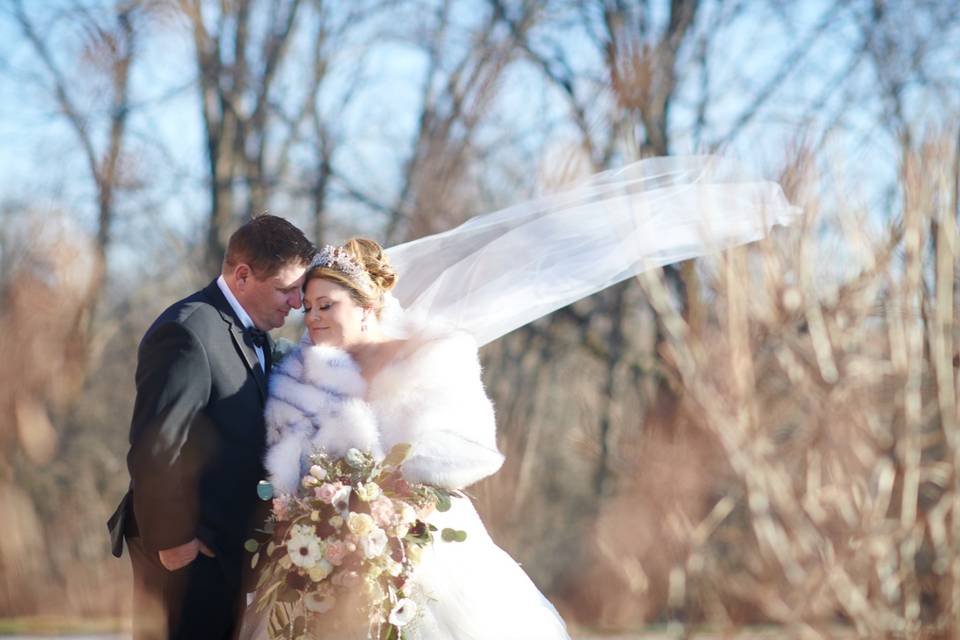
x: 255, y: 337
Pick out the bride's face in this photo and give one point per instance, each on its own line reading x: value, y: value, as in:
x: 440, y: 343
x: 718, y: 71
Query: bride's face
x: 331, y: 315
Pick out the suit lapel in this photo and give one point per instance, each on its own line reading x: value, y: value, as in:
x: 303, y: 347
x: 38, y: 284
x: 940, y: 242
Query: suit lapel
x: 247, y: 352
x: 249, y: 358
x: 268, y: 355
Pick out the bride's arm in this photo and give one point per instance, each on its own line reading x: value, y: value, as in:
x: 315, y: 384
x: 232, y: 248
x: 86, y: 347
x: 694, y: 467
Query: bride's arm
x: 451, y: 460
x: 288, y: 423
x: 315, y: 403
x: 447, y: 417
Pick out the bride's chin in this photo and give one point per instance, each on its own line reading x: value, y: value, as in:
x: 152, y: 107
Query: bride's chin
x: 320, y: 338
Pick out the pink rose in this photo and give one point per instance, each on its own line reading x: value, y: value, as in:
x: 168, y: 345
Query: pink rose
x: 327, y: 490
x: 382, y: 511
x: 335, y: 552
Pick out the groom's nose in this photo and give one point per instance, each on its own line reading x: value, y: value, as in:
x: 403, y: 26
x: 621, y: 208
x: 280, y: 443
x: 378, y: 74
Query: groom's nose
x: 295, y: 299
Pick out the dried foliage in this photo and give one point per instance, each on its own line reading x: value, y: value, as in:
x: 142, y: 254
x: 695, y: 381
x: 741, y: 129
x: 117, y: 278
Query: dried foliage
x: 49, y: 495
x: 810, y: 473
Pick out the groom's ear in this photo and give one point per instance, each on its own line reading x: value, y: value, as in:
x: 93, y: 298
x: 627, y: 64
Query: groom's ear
x: 241, y: 273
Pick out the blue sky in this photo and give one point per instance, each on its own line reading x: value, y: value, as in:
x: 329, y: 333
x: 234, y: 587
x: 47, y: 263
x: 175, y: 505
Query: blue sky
x: 40, y: 162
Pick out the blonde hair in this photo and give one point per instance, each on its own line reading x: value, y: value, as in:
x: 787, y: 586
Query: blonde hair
x: 369, y: 256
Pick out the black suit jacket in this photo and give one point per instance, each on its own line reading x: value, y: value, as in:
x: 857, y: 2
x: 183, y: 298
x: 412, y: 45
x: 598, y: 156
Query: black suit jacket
x: 197, y: 437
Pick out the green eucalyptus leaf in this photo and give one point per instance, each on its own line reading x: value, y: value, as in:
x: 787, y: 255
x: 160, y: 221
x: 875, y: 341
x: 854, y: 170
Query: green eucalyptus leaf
x: 443, y: 500
x: 281, y: 348
x: 251, y: 545
x: 264, y: 490
x: 453, y: 535
x: 397, y: 455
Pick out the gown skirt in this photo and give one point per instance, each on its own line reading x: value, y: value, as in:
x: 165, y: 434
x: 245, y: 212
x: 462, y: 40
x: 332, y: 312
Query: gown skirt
x: 470, y: 590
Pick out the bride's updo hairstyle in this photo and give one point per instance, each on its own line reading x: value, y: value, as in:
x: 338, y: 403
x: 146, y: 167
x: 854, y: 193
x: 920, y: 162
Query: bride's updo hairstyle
x: 360, y: 266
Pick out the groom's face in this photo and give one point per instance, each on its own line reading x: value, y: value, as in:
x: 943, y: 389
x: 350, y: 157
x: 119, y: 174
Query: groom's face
x: 269, y: 300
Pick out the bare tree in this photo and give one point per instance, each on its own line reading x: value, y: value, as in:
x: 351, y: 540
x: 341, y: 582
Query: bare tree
x: 110, y: 44
x: 239, y: 50
x: 641, y: 63
x: 456, y: 94
x: 314, y: 125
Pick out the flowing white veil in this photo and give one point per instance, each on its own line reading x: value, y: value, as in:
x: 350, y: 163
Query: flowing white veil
x: 501, y: 270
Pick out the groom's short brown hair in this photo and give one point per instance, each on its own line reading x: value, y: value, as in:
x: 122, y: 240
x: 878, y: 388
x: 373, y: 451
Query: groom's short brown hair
x: 266, y: 244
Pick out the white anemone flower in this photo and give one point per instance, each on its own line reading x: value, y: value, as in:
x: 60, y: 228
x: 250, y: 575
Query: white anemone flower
x: 403, y: 612
x: 341, y: 499
x: 304, y: 548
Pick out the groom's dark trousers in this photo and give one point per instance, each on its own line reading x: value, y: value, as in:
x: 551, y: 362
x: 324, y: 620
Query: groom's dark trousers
x: 197, y: 441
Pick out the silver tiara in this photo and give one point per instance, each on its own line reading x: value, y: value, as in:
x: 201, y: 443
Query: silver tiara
x: 339, y: 260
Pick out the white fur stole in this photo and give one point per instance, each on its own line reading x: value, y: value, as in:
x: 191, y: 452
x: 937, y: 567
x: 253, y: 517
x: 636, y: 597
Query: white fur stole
x: 316, y: 402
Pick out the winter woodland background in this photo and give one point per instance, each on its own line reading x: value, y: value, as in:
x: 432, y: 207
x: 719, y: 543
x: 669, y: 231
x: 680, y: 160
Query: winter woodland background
x: 769, y: 436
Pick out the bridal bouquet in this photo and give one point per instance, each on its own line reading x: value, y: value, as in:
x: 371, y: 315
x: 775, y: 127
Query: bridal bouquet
x: 348, y: 539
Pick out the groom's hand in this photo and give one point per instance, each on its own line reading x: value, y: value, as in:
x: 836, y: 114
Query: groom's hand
x: 179, y: 557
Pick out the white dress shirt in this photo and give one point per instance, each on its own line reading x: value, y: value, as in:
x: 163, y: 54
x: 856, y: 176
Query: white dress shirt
x: 242, y: 314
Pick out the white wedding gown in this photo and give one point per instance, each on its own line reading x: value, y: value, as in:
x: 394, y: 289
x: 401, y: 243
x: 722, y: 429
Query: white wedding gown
x: 431, y: 396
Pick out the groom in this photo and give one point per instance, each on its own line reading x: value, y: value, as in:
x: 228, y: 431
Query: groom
x: 197, y: 437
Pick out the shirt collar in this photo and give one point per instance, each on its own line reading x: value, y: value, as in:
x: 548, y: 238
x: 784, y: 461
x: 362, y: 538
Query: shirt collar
x: 244, y: 317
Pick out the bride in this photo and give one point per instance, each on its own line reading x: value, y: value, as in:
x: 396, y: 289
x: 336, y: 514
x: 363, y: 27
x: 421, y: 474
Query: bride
x: 350, y: 384
x: 370, y: 375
